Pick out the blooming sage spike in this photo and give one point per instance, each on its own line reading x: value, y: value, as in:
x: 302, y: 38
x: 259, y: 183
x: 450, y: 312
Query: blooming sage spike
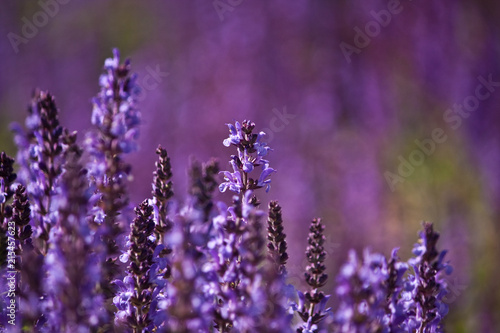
x: 116, y: 120
x: 134, y: 299
x: 41, y: 156
x: 162, y: 192
x: 276, y: 238
x: 312, y: 303
x: 251, y: 151
x: 427, y: 282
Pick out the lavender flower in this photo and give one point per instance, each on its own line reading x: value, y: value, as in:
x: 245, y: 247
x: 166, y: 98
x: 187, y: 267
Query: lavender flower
x: 237, y: 246
x: 229, y: 227
x: 114, y: 113
x: 134, y: 300
x: 276, y: 238
x: 41, y: 156
x: 116, y: 120
x: 428, y: 287
x: 249, y: 284
x: 162, y: 192
x: 312, y: 305
x: 396, y: 318
x: 251, y: 151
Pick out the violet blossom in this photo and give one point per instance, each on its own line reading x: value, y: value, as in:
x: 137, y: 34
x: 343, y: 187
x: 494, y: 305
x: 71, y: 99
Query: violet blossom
x: 137, y: 291
x: 312, y: 304
x: 276, y: 238
x: 427, y: 286
x: 162, y: 192
x: 41, y: 156
x: 396, y: 317
x: 251, y: 151
x: 116, y: 119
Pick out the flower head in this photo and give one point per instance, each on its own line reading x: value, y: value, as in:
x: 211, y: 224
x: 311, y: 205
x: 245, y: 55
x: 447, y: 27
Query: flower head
x: 250, y: 149
x: 427, y: 287
x: 116, y: 119
x: 312, y: 304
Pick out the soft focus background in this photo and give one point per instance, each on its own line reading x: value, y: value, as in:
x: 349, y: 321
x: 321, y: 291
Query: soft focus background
x: 337, y: 122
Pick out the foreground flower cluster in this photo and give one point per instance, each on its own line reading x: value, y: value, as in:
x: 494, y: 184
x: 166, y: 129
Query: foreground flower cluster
x: 84, y: 261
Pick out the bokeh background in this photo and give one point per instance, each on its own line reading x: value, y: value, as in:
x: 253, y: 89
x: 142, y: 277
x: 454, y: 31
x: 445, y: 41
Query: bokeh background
x: 337, y: 123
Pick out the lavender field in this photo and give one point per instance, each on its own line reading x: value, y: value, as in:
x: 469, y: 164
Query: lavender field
x: 342, y: 124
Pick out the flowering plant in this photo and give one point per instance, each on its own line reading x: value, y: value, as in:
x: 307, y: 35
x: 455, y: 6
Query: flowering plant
x: 83, y: 263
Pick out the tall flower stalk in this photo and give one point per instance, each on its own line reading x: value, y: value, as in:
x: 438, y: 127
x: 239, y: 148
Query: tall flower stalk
x: 312, y: 304
x: 426, y: 305
x: 41, y: 156
x: 134, y: 300
x: 162, y: 192
x: 396, y: 318
x: 251, y: 151
x: 276, y: 238
x: 42, y: 152
x: 116, y: 119
x: 248, y: 279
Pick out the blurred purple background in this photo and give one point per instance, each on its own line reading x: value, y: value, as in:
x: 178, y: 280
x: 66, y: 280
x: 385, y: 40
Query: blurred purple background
x: 342, y: 109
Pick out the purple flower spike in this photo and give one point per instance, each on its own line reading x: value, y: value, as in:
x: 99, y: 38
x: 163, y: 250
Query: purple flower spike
x: 250, y: 151
x: 427, y: 286
x: 396, y: 315
x: 277, y: 245
x: 115, y: 118
x: 138, y: 287
x: 312, y: 303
